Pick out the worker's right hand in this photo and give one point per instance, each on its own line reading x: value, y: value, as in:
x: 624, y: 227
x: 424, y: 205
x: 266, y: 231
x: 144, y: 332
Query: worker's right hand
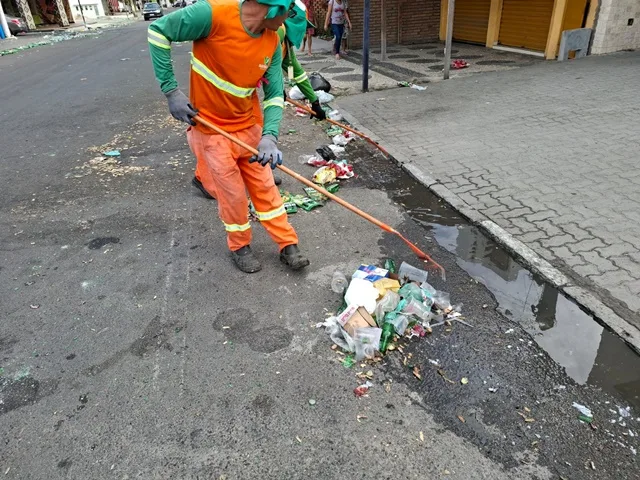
x: 268, y: 152
x: 318, y: 112
x: 180, y: 107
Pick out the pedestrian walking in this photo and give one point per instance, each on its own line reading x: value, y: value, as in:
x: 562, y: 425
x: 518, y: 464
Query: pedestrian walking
x: 235, y: 45
x: 310, y: 31
x: 339, y: 16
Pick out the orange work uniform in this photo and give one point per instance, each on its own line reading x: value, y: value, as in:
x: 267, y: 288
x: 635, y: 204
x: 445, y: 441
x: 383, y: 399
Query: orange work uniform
x: 226, y: 67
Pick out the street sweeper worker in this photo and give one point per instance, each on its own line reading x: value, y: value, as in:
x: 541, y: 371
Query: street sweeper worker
x: 291, y: 35
x: 235, y: 45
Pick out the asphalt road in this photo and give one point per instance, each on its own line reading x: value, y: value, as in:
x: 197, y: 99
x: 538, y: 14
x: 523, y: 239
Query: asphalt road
x: 130, y: 346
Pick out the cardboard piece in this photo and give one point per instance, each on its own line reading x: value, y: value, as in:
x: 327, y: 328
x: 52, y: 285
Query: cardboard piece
x: 360, y: 319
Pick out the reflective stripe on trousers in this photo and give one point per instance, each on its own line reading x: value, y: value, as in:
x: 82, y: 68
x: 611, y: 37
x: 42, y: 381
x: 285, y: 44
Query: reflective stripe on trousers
x: 232, y: 177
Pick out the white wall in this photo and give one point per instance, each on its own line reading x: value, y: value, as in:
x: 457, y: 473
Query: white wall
x: 612, y: 33
x: 92, y: 9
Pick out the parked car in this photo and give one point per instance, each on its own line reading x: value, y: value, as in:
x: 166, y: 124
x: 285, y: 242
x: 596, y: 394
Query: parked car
x: 152, y: 9
x: 16, y: 25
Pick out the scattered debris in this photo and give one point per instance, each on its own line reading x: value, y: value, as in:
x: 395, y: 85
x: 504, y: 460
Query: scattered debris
x: 526, y: 418
x: 585, y: 413
x: 416, y: 372
x: 361, y: 417
x: 464, y: 380
x: 112, y: 153
x: 312, y: 402
x: 459, y: 64
x: 411, y: 85
x: 48, y: 40
x: 442, y: 373
x: 461, y: 418
x: 363, y: 389
x: 421, y: 437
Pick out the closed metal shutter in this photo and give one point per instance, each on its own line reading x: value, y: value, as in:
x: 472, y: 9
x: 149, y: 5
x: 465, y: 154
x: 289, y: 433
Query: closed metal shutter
x: 525, y: 23
x: 470, y: 21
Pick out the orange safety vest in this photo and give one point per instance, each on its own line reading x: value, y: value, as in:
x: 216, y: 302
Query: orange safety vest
x: 226, y: 67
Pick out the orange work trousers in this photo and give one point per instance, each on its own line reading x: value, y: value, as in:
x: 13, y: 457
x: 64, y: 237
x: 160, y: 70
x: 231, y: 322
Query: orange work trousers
x: 232, y: 176
x: 202, y: 170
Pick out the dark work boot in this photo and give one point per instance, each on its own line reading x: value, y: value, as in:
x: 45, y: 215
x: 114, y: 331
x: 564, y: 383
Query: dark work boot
x: 292, y: 257
x: 277, y: 178
x: 245, y: 260
x: 198, y: 184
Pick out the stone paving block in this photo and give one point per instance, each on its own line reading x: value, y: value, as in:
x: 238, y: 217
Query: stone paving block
x: 586, y: 245
x: 613, y: 279
x: 627, y: 264
x: 594, y: 258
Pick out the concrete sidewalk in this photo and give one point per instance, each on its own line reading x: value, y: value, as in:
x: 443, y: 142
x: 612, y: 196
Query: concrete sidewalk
x: 548, y: 153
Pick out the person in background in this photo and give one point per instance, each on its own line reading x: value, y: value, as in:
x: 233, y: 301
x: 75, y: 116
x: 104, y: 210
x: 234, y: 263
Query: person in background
x: 339, y: 17
x: 308, y: 38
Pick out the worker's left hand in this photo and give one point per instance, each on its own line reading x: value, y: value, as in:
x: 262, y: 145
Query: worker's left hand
x: 318, y: 111
x: 268, y: 152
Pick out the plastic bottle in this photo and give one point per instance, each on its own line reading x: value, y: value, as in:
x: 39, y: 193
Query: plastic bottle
x: 388, y: 330
x: 339, y: 282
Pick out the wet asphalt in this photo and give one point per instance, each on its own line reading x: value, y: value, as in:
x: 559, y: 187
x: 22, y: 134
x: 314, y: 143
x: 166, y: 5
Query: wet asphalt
x: 130, y: 347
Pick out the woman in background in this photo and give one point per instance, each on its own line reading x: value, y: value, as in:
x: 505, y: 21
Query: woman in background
x: 308, y: 38
x: 337, y: 13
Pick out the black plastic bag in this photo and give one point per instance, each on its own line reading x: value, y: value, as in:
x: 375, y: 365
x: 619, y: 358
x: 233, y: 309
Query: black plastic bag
x: 318, y: 82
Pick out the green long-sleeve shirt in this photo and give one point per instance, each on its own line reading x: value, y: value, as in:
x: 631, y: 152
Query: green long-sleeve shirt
x: 300, y: 77
x: 194, y: 23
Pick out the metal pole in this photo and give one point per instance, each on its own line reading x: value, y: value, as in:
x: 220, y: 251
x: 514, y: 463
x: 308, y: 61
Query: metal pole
x: 365, y: 46
x: 383, y: 32
x: 447, y: 46
x: 82, y: 13
x: 3, y: 23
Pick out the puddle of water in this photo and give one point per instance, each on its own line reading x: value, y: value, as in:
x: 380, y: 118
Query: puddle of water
x: 588, y: 352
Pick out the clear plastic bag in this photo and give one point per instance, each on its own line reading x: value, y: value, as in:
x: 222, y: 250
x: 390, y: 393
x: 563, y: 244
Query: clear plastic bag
x: 323, y: 97
x: 387, y: 304
x: 411, y: 290
x: 414, y: 307
x: 367, y: 342
x: 412, y: 273
x: 296, y: 94
x: 400, y: 323
x: 338, y: 335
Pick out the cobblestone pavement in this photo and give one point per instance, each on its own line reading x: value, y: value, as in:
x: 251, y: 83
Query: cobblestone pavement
x: 550, y: 153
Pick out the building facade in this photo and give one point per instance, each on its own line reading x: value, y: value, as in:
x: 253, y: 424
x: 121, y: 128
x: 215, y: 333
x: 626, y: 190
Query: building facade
x: 533, y: 26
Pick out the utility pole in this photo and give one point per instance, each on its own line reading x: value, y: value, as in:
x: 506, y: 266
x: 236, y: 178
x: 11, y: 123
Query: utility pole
x: 3, y: 23
x: 383, y: 32
x: 365, y: 46
x: 82, y: 13
x: 447, y: 46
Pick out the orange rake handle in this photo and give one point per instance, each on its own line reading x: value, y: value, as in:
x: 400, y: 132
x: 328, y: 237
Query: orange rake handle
x: 309, y: 183
x: 341, y: 125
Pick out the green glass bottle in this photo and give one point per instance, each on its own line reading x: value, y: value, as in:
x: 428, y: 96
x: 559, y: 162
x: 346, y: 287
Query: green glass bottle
x: 390, y: 265
x: 388, y: 330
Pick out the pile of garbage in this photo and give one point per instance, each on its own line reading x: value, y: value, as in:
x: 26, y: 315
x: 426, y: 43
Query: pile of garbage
x: 383, y: 306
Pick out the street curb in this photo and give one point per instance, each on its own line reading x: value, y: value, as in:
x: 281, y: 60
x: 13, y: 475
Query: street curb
x: 586, y: 300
